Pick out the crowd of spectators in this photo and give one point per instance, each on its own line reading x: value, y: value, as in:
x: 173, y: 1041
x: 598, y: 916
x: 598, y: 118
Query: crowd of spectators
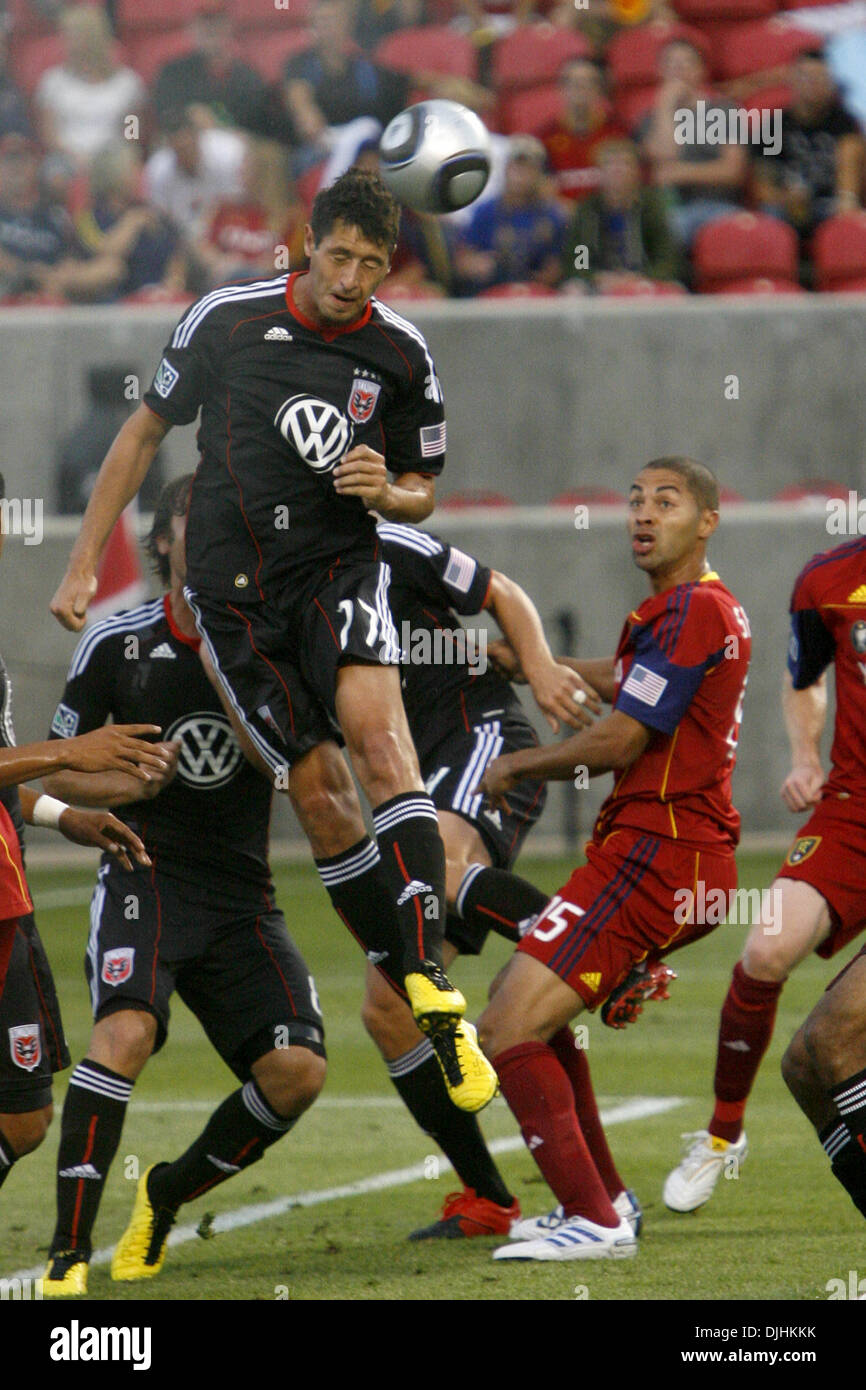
x: 142, y: 160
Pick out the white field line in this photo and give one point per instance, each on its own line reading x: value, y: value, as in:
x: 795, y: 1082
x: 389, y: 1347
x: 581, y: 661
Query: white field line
x: 638, y: 1108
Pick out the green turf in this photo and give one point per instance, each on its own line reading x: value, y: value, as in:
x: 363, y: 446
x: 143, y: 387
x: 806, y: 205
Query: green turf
x: 782, y: 1230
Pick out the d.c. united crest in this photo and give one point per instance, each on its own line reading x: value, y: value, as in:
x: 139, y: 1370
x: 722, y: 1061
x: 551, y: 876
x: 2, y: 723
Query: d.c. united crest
x: 117, y: 965
x: 362, y: 399
x: 26, y: 1046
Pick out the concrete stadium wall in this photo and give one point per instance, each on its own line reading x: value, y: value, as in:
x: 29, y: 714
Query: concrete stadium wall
x: 585, y: 574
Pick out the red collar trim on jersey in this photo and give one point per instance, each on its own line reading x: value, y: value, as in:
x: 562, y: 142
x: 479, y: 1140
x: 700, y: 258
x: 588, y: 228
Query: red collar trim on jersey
x: 327, y: 333
x: 194, y: 642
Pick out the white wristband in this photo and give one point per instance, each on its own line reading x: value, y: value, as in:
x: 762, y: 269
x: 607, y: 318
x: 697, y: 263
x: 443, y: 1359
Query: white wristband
x: 47, y: 811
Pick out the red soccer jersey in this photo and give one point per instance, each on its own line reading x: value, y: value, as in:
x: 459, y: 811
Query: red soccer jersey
x: 14, y: 894
x: 572, y: 157
x: 681, y: 669
x: 828, y: 623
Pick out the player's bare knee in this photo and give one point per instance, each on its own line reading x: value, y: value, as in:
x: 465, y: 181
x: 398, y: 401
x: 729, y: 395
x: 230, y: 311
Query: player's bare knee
x: 828, y: 1043
x: 24, y: 1132
x: 767, y: 956
x: 290, y: 1079
x: 123, y: 1041
x: 380, y: 759
x: 330, y: 816
x: 797, y: 1069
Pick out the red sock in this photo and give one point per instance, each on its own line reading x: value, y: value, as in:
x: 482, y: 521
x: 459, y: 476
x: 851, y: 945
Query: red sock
x: 745, y: 1030
x: 541, y: 1100
x: 575, y: 1064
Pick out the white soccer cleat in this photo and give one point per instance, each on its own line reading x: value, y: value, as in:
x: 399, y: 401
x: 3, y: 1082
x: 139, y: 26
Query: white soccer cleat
x: 535, y: 1227
x: 693, y: 1182
x: 575, y: 1238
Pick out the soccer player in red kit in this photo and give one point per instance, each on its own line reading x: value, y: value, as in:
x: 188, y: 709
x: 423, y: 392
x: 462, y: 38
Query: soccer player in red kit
x: 820, y: 885
x: 668, y: 826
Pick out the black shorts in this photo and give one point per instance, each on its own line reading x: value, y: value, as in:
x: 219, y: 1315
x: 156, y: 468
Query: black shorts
x: 279, y: 668
x: 237, y: 969
x: 32, y: 1045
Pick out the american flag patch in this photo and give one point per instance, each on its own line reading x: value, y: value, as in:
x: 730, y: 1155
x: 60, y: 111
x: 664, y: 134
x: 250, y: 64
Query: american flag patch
x: 460, y: 571
x: 432, y: 440
x: 645, y: 685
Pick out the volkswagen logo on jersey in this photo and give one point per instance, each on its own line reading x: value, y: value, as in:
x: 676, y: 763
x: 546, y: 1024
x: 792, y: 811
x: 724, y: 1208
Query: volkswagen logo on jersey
x: 25, y: 1046
x: 210, y: 755
x: 317, y: 430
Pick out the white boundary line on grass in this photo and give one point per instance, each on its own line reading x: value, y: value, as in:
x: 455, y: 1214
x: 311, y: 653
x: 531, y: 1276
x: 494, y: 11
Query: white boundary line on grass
x: 638, y: 1108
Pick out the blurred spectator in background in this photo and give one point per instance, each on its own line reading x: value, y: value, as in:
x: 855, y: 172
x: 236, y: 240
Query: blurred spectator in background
x: 375, y: 19
x: 518, y: 237
x: 704, y: 180
x: 84, y: 103
x: 213, y: 76
x: 148, y: 247
x: 586, y: 122
x: 40, y: 255
x: 621, y: 232
x: 194, y: 172
x: 423, y: 258
x: 79, y: 455
x: 819, y: 169
x: 14, y: 116
x: 261, y: 231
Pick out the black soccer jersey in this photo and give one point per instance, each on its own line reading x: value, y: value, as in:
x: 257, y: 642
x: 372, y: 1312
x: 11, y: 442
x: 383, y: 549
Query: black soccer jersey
x: 211, y: 821
x: 447, y: 683
x: 281, y: 403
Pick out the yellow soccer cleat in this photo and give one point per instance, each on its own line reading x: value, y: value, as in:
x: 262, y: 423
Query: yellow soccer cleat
x: 436, y: 1004
x: 469, y: 1077
x: 66, y: 1275
x: 140, y: 1252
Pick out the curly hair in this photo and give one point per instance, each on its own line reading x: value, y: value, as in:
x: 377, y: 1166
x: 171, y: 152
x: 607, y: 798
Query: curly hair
x: 360, y: 199
x: 172, y: 501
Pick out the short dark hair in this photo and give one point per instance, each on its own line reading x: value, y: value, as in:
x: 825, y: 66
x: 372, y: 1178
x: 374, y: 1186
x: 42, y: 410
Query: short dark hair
x: 172, y: 501
x: 700, y: 481
x: 360, y: 199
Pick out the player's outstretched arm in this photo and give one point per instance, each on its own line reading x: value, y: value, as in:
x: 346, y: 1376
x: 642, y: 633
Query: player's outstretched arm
x: 613, y: 742
x: 121, y: 475
x: 560, y: 693
x: 117, y: 747
x: 98, y: 828
x: 110, y: 789
x: 597, y: 671
x: 805, y: 714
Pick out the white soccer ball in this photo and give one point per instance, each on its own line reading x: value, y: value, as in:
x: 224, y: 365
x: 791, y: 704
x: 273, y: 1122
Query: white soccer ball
x: 435, y: 156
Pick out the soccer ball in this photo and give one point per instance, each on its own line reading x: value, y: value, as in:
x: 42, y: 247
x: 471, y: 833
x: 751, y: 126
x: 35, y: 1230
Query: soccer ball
x: 435, y: 156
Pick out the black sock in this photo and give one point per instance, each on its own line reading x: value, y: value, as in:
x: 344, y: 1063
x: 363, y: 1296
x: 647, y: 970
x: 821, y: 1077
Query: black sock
x: 849, y: 1160
x: 7, y: 1158
x: 93, y: 1115
x: 418, y: 1079
x: 413, y: 867
x: 494, y: 900
x: 361, y: 900
x: 235, y: 1136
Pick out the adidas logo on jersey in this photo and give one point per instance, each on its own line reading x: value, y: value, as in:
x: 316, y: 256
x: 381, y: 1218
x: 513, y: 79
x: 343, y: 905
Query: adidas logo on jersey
x: 80, y: 1170
x: 535, y: 1142
x: 495, y: 817
x: 278, y: 335
x: 164, y: 650
x: 376, y: 957
x: 412, y: 890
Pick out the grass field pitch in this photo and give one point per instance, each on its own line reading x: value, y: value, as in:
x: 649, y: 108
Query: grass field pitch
x: 781, y: 1230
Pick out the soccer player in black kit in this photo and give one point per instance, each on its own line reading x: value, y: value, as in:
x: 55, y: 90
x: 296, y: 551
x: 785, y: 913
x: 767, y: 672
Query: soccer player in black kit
x: 201, y: 920
x: 311, y: 392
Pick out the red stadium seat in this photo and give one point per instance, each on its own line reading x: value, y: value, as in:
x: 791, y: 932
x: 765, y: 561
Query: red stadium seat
x: 33, y: 55
x: 764, y: 44
x: 632, y: 104
x: 730, y: 497
x: 646, y: 289
x: 746, y: 245
x: 532, y: 111
x: 267, y: 17
x: 855, y: 286
x: 148, y: 53
x: 23, y: 18
x: 769, y: 98
x: 429, y: 48
x: 156, y: 294
x: 271, y: 57
x: 534, y: 54
x: 589, y: 497
x: 633, y: 54
x: 518, y: 289
x: 133, y: 15
x: 403, y: 293
x: 839, y: 250
x: 761, y: 284
x: 460, y: 501
x: 812, y: 489
x: 696, y: 11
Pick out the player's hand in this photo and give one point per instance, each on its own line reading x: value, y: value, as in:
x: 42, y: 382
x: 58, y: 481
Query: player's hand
x: 801, y: 789
x: 72, y: 599
x: 497, y: 780
x: 504, y: 660
x: 159, y: 780
x: 105, y: 831
x: 362, y: 473
x: 562, y: 695
x: 117, y: 748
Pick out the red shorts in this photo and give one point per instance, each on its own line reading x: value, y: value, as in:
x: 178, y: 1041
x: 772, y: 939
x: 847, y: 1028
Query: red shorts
x: 830, y: 855
x: 626, y: 902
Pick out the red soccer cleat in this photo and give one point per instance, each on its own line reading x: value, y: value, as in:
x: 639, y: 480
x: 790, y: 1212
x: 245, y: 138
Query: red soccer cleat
x: 649, y: 980
x: 465, y: 1215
